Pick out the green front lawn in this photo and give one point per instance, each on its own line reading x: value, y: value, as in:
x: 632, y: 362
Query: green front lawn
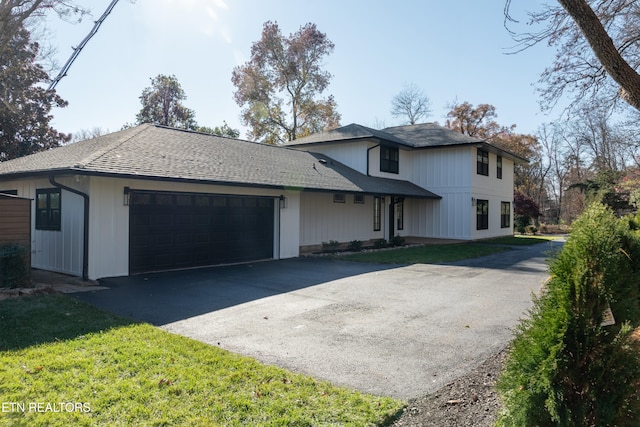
x: 519, y: 240
x: 425, y: 254
x: 65, y: 363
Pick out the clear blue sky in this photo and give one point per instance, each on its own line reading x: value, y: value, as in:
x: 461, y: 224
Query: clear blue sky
x: 454, y: 51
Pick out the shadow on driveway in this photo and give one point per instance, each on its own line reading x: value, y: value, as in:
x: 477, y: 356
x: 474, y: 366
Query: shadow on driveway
x: 161, y: 298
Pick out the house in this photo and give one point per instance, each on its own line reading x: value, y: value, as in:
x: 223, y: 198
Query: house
x: 153, y: 198
x: 473, y: 179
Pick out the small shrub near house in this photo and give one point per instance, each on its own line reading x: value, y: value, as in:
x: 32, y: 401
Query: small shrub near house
x: 330, y: 246
x: 396, y: 241
x: 567, y: 366
x: 14, y: 269
x: 354, y: 246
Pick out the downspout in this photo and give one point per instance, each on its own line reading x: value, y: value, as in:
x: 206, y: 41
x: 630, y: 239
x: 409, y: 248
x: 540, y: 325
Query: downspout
x: 369, y: 149
x: 85, y: 240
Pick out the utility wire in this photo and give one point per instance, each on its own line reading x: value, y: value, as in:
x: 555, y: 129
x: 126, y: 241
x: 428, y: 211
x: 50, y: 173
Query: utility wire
x: 76, y: 50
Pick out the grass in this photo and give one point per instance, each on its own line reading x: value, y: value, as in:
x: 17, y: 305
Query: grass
x: 61, y: 352
x: 425, y: 254
x: 431, y: 254
x: 519, y: 240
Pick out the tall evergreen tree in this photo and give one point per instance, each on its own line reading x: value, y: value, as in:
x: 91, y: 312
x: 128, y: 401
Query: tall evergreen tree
x: 162, y: 104
x: 25, y: 106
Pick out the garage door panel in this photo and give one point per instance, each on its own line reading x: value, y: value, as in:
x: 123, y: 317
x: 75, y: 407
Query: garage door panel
x: 172, y: 230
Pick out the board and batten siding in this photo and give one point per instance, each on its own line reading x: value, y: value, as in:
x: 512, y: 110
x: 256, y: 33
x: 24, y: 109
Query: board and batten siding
x: 322, y: 220
x: 445, y: 172
x: 495, y: 191
x: 59, y: 251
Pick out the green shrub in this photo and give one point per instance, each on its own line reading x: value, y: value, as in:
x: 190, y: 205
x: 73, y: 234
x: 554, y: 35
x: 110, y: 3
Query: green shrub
x: 396, y: 241
x: 520, y: 223
x: 380, y: 243
x: 330, y: 246
x: 355, y: 246
x: 14, y: 270
x: 564, y: 367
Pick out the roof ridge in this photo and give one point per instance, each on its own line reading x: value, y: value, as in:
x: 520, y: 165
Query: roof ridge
x: 95, y: 155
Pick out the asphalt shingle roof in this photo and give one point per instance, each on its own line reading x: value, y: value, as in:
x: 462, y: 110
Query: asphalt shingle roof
x: 157, y: 152
x: 422, y: 135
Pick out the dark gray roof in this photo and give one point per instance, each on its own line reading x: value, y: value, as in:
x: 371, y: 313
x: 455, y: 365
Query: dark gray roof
x: 424, y: 135
x: 430, y: 135
x: 157, y: 152
x: 346, y: 133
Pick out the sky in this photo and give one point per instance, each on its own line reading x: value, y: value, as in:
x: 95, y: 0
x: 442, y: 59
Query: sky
x: 454, y: 51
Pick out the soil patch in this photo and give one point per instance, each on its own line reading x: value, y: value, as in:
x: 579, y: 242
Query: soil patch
x: 469, y: 401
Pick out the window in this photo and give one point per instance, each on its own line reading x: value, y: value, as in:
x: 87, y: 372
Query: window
x: 358, y: 198
x: 377, y: 213
x: 505, y: 214
x: 499, y: 167
x: 483, y: 162
x: 389, y: 159
x: 400, y: 214
x: 339, y: 198
x: 9, y: 192
x: 482, y: 214
x: 48, y: 209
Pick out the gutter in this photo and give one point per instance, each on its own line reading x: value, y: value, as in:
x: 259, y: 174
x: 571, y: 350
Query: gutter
x: 85, y: 242
x: 368, y: 150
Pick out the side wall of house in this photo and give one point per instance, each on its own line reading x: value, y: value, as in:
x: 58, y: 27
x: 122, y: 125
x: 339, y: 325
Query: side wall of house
x: 59, y: 251
x: 495, y: 191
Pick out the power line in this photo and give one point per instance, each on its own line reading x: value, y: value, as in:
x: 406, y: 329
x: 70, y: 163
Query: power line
x: 76, y: 50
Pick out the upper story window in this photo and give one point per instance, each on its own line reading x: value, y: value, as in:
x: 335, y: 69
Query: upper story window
x: 389, y: 159
x: 48, y: 210
x: 499, y: 167
x: 483, y: 162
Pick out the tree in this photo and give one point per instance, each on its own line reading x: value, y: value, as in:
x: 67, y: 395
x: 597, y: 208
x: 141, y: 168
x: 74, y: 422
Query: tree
x: 84, y: 134
x: 598, y: 51
x: 162, y: 104
x: 224, y: 130
x: 411, y: 103
x: 279, y: 86
x: 16, y: 14
x: 477, y: 121
x: 25, y: 106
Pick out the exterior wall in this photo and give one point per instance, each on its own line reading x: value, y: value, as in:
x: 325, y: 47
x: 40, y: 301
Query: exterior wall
x: 321, y: 220
x: 62, y: 251
x: 495, y: 191
x: 109, y: 226
x: 446, y: 173
x: 352, y: 154
x: 59, y: 251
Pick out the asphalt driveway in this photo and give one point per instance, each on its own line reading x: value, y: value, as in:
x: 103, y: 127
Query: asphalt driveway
x: 401, y: 331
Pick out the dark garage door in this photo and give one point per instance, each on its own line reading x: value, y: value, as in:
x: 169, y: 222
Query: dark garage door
x: 180, y: 230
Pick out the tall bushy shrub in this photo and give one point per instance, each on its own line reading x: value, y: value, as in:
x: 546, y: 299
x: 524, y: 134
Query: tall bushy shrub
x: 14, y: 271
x: 565, y: 368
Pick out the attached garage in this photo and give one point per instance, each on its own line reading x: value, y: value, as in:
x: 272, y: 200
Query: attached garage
x: 182, y: 230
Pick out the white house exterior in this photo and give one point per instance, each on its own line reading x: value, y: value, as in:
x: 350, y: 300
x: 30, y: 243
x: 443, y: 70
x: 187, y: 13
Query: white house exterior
x: 476, y: 199
x: 153, y: 198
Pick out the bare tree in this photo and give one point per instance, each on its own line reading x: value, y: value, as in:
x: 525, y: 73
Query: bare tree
x: 598, y: 50
x: 411, y: 103
x: 84, y: 134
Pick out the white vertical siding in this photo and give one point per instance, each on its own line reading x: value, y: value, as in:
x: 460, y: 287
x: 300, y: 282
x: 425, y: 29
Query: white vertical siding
x: 321, y: 220
x: 495, y: 191
x: 59, y: 251
x: 352, y: 154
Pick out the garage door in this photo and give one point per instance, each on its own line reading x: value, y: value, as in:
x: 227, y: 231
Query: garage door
x: 178, y: 230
